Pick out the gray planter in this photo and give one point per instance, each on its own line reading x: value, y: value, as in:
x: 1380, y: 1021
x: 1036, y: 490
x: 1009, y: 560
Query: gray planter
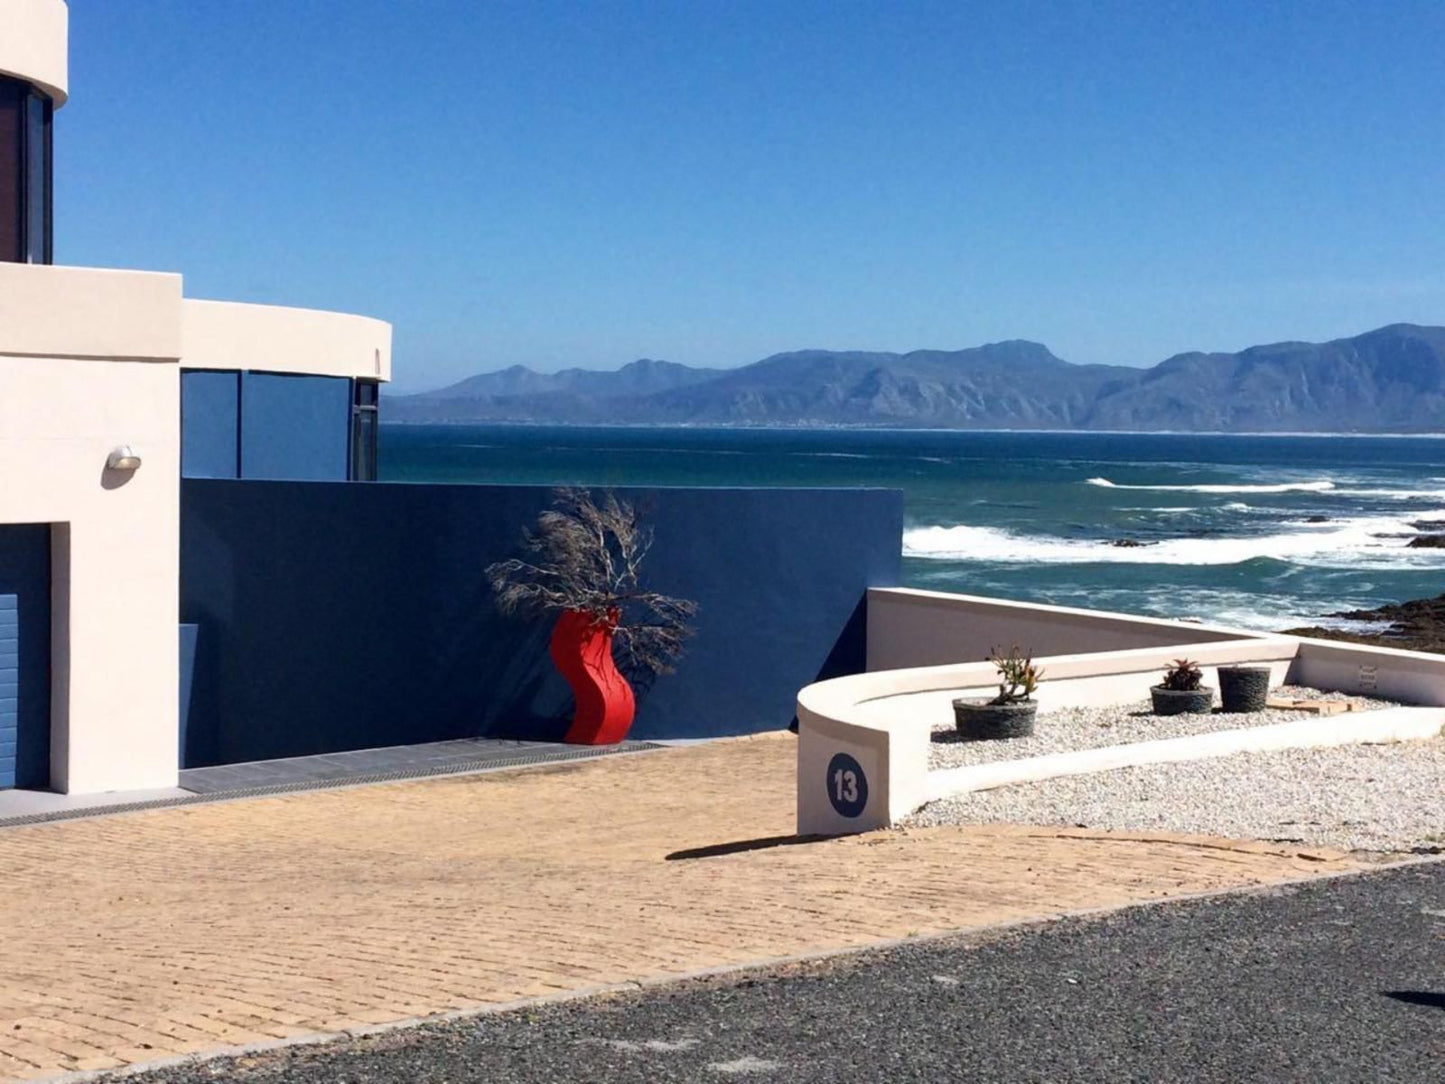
x: 1243, y: 688
x: 979, y: 720
x: 1179, y: 702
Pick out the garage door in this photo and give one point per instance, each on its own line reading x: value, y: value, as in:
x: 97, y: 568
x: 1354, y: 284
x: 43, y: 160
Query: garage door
x: 24, y: 656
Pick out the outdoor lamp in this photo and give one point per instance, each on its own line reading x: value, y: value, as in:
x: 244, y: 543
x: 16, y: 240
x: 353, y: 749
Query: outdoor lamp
x: 122, y: 458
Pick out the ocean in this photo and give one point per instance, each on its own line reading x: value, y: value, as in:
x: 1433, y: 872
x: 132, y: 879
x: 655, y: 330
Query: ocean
x: 1260, y: 532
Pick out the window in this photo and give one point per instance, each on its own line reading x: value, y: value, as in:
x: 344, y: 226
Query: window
x: 37, y: 180
x: 363, y: 430
x: 25, y: 173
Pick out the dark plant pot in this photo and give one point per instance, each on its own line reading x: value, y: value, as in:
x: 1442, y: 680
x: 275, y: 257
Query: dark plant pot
x: 979, y: 720
x: 1243, y: 688
x: 1180, y: 702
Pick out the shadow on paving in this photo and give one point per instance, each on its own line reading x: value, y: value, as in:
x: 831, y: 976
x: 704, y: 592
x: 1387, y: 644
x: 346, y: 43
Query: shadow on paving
x: 742, y: 846
x: 1331, y: 980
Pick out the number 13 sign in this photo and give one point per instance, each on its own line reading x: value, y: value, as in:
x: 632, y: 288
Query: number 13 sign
x: 847, y: 786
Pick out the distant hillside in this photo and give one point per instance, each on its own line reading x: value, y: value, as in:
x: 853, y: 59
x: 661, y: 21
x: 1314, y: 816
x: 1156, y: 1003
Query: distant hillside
x: 1390, y: 380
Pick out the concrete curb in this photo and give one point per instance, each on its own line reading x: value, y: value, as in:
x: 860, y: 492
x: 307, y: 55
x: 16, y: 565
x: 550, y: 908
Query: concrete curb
x: 964, y: 933
x: 1367, y: 728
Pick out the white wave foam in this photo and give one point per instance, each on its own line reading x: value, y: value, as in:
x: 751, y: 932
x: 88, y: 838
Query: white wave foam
x: 1321, y: 486
x: 1394, y: 494
x: 1373, y: 541
x: 1235, y: 506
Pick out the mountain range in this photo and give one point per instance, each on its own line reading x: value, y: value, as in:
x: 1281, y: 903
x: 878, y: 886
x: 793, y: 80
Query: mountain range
x: 1388, y: 380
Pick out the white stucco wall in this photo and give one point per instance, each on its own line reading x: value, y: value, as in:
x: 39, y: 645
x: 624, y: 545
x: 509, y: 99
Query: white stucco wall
x: 881, y: 718
x: 33, y: 43
x: 88, y: 361
x: 908, y: 628
x: 276, y: 339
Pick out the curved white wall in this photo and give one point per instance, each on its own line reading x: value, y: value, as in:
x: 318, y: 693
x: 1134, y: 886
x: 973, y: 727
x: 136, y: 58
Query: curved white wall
x: 881, y: 718
x: 908, y: 627
x: 33, y: 44
x: 275, y: 339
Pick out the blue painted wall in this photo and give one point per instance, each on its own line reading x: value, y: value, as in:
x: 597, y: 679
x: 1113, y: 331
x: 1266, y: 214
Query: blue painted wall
x: 187, y: 676
x: 265, y: 425
x: 25, y: 656
x: 345, y: 617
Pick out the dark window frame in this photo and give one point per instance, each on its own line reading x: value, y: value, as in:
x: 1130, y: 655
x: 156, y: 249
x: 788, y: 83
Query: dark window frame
x: 46, y: 248
x: 26, y: 156
x: 365, y: 428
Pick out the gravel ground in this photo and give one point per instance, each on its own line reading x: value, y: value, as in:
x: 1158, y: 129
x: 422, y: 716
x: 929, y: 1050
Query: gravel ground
x: 1353, y: 797
x: 1071, y: 729
x: 1334, y: 981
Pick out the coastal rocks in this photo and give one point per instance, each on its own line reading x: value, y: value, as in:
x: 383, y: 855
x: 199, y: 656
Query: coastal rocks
x: 1417, y: 625
x: 1130, y: 543
x: 1427, y: 542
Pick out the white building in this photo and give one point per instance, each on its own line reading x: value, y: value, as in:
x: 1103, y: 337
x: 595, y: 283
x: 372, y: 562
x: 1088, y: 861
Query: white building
x: 94, y: 367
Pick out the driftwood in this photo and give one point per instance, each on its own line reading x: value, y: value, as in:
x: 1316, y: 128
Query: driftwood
x: 586, y: 554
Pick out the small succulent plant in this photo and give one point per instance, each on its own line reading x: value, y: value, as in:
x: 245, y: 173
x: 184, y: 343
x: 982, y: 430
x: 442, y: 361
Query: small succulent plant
x: 1184, y: 676
x: 1018, y: 676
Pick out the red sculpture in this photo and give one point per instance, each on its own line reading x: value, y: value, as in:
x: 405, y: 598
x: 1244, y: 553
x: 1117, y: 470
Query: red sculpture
x: 581, y: 563
x: 582, y: 652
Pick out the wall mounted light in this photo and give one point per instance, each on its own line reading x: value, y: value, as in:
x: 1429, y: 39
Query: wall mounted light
x: 122, y: 458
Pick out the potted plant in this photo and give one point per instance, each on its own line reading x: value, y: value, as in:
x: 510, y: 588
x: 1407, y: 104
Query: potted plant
x: 1182, y: 691
x: 1011, y: 713
x: 1243, y: 688
x: 582, y: 564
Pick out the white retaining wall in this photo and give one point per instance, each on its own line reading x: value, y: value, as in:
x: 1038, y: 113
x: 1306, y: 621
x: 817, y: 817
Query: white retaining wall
x: 863, y: 740
x: 909, y: 628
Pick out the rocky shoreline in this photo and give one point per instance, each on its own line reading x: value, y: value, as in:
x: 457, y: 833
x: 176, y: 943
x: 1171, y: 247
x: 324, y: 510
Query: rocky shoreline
x: 1417, y: 625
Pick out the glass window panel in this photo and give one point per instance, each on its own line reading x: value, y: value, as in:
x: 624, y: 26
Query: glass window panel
x: 12, y: 172
x: 37, y: 180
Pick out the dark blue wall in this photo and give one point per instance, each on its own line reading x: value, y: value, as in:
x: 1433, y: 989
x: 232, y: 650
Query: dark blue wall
x: 265, y: 425
x: 187, y: 676
x: 25, y: 656
x: 344, y: 617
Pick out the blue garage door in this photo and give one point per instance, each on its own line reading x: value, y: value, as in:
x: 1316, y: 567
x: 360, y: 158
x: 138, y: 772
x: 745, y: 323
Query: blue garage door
x: 25, y: 656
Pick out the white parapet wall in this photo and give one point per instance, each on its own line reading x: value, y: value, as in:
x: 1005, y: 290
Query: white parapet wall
x: 909, y: 628
x: 276, y: 339
x: 1412, y: 677
x: 89, y: 362
x: 33, y: 44
x: 863, y: 740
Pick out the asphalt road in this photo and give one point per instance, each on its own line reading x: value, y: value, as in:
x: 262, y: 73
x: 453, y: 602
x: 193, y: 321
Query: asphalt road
x: 1338, y: 980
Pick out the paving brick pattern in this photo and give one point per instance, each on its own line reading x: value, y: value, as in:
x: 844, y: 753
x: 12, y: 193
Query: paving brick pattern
x: 135, y: 937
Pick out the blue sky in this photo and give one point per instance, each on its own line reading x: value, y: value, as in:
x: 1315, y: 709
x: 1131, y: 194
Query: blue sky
x: 559, y: 184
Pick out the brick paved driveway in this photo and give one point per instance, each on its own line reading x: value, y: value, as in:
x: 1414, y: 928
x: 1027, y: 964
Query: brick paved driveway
x: 134, y: 937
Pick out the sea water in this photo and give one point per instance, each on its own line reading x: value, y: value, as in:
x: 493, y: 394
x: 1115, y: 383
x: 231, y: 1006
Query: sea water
x: 1260, y: 532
